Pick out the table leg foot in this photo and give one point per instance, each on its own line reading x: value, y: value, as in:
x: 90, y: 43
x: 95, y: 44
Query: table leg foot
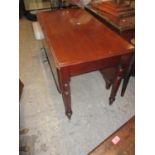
x: 111, y: 100
x: 69, y: 114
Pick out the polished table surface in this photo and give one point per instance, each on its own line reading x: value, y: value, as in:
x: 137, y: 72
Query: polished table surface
x: 76, y: 43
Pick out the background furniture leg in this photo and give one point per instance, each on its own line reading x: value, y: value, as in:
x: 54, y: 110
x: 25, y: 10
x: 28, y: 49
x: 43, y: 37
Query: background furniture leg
x: 127, y: 75
x: 116, y: 84
x: 108, y: 75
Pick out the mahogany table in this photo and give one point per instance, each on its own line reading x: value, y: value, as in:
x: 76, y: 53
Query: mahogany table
x: 76, y: 43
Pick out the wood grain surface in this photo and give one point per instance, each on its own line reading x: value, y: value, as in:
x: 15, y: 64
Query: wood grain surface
x: 126, y: 144
x: 75, y: 36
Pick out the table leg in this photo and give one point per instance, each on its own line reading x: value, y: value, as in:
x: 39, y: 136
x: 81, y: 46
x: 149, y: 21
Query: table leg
x: 66, y: 94
x: 115, y: 86
x: 127, y: 75
x: 64, y: 81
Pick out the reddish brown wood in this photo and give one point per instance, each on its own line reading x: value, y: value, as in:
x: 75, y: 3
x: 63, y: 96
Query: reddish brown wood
x: 115, y: 86
x: 114, y: 9
x: 123, y: 26
x: 21, y: 85
x: 126, y: 145
x: 109, y: 73
x: 64, y: 81
x: 78, y: 43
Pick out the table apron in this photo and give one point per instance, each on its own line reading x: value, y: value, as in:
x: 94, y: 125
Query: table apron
x: 94, y: 65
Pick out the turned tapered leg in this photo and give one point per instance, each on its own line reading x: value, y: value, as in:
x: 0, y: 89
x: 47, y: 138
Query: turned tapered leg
x: 64, y: 82
x: 66, y: 94
x: 115, y: 86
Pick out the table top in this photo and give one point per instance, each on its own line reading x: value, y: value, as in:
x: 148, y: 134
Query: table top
x: 74, y: 37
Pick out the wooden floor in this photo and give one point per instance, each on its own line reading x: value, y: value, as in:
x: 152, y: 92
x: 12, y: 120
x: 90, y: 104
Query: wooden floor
x: 122, y: 142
